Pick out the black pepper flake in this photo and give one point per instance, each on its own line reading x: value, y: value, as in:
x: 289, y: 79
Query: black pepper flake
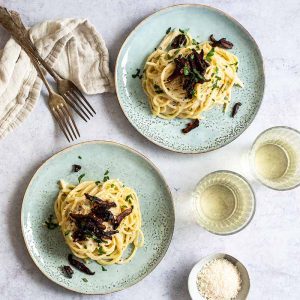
x: 235, y: 109
x: 76, y: 168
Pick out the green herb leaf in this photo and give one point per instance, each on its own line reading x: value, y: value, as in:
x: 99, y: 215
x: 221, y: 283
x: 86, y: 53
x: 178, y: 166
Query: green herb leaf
x: 218, y: 78
x: 168, y: 30
x: 97, y: 239
x: 50, y: 223
x: 123, y: 206
x: 195, y: 71
x: 79, y: 157
x: 106, y: 177
x: 80, y: 177
x: 97, y: 182
x: 103, y: 269
x: 194, y: 42
x: 184, y: 31
x: 128, y: 198
x: 84, y: 279
x: 210, y: 54
x: 214, y: 86
x: 101, y: 251
x: 216, y: 69
x: 137, y: 73
x: 176, y: 52
x: 67, y: 232
x: 186, y: 71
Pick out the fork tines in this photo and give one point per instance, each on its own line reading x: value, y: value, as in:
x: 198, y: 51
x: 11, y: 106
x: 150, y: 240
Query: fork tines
x: 78, y: 102
x: 66, y: 122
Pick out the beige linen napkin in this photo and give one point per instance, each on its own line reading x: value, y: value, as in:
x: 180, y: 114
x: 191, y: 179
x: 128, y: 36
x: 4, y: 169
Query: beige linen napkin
x: 71, y: 46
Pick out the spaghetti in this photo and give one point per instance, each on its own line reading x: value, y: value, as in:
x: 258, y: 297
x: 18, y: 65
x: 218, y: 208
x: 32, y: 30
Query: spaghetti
x: 80, y: 210
x: 191, y: 93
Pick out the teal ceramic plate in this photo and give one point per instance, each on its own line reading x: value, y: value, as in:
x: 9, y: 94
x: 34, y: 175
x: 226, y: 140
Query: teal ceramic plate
x: 47, y: 247
x: 218, y: 129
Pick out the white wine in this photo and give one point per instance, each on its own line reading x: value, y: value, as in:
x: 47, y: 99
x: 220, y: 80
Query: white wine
x: 271, y: 161
x: 274, y: 158
x: 224, y: 202
x: 218, y: 202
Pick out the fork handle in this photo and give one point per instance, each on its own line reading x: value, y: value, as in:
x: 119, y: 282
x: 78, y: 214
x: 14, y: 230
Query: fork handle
x: 12, y: 22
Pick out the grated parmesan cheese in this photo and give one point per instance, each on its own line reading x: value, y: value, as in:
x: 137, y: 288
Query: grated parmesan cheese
x: 219, y: 280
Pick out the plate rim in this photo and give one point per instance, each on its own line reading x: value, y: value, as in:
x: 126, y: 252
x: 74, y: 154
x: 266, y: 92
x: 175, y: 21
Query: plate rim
x: 234, y: 21
x: 132, y: 151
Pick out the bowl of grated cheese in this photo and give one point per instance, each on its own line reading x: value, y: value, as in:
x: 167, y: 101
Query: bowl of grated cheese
x: 219, y: 277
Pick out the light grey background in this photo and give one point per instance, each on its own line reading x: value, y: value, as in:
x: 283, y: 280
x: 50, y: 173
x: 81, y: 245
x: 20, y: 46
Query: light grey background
x: 269, y: 246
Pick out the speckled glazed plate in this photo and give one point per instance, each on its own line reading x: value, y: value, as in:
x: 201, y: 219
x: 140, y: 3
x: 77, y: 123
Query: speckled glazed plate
x: 218, y: 129
x: 47, y: 247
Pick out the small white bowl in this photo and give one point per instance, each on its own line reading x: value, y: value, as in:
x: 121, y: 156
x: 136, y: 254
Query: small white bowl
x: 192, y: 281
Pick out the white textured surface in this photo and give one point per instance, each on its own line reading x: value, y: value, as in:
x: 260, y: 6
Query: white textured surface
x: 269, y: 246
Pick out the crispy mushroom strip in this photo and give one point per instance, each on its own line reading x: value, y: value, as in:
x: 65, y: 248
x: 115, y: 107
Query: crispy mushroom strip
x: 222, y: 43
x: 121, y: 216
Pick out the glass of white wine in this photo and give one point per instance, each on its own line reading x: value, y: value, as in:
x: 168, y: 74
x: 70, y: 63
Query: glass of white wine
x: 224, y: 202
x: 275, y: 158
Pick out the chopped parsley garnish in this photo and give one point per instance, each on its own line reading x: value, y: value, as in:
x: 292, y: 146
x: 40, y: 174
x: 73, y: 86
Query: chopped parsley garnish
x: 106, y: 177
x: 194, y: 42
x: 186, y: 71
x: 97, y: 182
x: 67, y: 232
x: 84, y: 279
x: 137, y: 73
x: 103, y: 269
x: 184, y: 31
x: 157, y: 89
x: 218, y: 77
x: 79, y: 157
x: 96, y: 239
x: 128, y: 198
x: 123, y: 206
x: 50, y: 223
x: 215, y: 85
x: 210, y: 54
x: 80, y: 177
x: 195, y: 71
x: 176, y: 52
x: 216, y: 70
x: 84, y: 246
x: 236, y: 65
x: 101, y: 251
x: 168, y: 30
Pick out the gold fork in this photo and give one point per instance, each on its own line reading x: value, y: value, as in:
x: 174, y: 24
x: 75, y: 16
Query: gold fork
x: 57, y: 104
x: 59, y: 108
x: 66, y: 88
